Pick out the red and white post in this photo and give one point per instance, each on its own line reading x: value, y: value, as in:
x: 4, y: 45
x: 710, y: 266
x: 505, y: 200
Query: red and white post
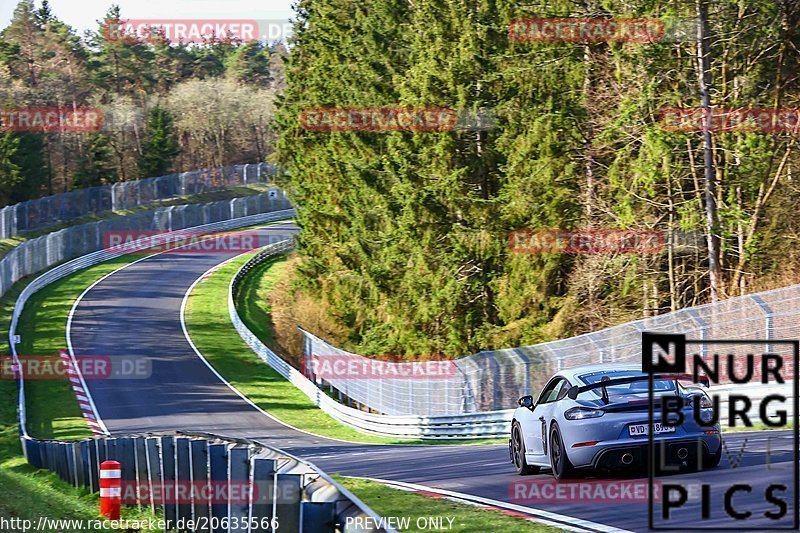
x: 110, y: 489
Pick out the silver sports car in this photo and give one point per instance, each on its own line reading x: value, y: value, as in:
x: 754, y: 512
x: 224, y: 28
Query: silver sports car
x: 596, y: 418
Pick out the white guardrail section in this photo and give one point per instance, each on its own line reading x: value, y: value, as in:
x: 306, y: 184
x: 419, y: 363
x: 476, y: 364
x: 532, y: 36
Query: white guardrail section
x: 317, y: 487
x: 287, y: 493
x: 479, y: 424
x: 472, y: 425
x: 94, y: 258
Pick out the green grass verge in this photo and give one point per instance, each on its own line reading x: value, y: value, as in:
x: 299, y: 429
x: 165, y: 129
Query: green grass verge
x: 25, y: 492
x: 391, y: 502
x: 252, y: 301
x: 52, y: 408
x: 6, y: 245
x: 211, y: 330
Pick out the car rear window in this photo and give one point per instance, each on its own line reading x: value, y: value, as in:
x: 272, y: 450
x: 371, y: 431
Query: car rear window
x: 659, y: 385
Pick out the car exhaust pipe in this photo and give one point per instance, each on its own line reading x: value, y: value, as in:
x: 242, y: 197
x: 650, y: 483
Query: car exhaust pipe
x: 683, y: 453
x: 627, y: 459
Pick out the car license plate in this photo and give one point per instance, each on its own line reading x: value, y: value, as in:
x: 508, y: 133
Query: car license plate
x: 637, y: 430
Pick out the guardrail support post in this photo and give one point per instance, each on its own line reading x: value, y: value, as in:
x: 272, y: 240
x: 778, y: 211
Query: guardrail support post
x: 238, y: 480
x: 218, y: 470
x: 198, y: 450
x: 168, y: 489
x: 288, y: 495
x: 183, y: 468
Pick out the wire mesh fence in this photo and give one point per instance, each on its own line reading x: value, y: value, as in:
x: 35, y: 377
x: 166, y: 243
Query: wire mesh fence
x: 43, y: 252
x: 43, y: 212
x: 494, y: 380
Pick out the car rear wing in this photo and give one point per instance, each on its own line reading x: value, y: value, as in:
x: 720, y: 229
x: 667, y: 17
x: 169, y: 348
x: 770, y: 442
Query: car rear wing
x: 574, y: 391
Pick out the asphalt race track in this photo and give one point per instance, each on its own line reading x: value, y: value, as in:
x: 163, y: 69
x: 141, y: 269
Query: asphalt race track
x: 136, y: 311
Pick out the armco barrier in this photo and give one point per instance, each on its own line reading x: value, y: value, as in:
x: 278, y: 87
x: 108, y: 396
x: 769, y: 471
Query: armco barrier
x: 492, y: 380
x: 43, y: 252
x: 103, y: 255
x: 301, y: 497
x: 42, y: 212
x: 464, y: 426
x: 479, y: 424
x: 204, y: 482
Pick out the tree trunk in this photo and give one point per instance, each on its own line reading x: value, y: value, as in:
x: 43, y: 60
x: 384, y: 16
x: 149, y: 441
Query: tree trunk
x: 712, y: 222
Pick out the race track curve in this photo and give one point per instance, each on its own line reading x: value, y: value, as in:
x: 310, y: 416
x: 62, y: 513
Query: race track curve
x: 136, y: 311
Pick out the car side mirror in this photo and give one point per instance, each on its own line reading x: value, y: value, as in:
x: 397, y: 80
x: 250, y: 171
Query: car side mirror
x: 572, y: 393
x: 526, y: 401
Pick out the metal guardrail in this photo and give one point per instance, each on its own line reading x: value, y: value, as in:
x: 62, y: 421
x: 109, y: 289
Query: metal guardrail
x: 210, y: 483
x: 492, y: 380
x: 49, y: 210
x: 302, y: 497
x: 99, y: 256
x: 43, y: 252
x: 462, y: 426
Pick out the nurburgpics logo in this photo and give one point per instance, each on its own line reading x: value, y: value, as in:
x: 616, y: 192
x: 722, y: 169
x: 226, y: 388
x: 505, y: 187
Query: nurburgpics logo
x: 723, y: 480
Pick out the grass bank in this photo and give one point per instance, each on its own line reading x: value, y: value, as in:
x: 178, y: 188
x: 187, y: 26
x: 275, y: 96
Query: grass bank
x: 418, y: 512
x: 211, y: 330
x: 25, y: 492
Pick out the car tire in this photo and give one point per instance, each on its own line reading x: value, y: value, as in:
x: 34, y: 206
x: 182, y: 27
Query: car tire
x: 559, y: 461
x: 518, y: 452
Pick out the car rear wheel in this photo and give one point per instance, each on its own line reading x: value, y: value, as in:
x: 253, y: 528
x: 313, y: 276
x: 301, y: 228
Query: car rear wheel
x: 518, y: 452
x: 562, y: 467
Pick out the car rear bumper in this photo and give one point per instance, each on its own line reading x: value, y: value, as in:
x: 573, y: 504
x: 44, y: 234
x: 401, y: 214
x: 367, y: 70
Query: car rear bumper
x: 674, y: 453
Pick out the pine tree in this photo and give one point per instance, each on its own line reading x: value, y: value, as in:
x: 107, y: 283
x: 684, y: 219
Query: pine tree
x: 10, y: 172
x: 96, y: 165
x: 250, y: 63
x: 161, y: 147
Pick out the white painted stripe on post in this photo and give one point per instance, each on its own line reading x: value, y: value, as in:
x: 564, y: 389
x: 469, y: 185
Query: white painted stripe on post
x: 111, y: 492
x: 110, y: 474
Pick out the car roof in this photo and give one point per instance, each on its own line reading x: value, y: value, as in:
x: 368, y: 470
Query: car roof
x: 572, y: 373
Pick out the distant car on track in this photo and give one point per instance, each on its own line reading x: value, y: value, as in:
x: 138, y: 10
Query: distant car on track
x: 596, y: 418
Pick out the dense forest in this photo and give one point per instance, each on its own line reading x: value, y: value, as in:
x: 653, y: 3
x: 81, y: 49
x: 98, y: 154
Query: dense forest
x: 165, y: 106
x: 405, y: 247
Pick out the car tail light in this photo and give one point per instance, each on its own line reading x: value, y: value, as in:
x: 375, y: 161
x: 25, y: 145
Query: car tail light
x: 580, y: 413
